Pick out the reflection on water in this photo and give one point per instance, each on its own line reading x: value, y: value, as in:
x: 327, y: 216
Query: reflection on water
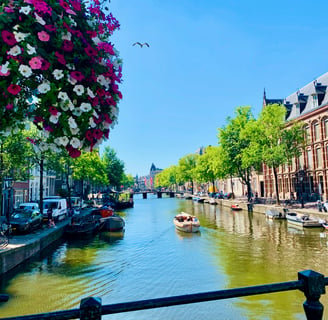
x: 152, y: 259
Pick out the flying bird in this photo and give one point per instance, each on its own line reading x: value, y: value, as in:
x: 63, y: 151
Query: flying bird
x: 141, y: 44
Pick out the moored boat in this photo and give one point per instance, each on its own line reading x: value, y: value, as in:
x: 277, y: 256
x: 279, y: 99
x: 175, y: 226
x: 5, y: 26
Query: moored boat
x: 236, y: 207
x: 109, y: 221
x: 304, y: 220
x: 186, y: 222
x: 82, y: 225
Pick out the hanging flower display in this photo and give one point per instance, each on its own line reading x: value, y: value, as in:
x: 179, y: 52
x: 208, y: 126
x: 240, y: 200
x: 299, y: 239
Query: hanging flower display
x: 59, y: 70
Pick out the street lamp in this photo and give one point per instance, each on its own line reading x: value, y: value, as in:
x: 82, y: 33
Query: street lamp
x: 301, y: 174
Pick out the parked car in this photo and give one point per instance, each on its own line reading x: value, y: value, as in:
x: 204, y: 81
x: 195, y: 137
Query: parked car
x: 58, y: 206
x: 29, y: 205
x: 25, y: 220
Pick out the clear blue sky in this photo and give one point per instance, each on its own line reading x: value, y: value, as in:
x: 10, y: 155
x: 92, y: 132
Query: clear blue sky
x: 205, y: 59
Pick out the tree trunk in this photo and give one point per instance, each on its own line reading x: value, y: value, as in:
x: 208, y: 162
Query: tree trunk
x: 232, y: 192
x: 276, y: 184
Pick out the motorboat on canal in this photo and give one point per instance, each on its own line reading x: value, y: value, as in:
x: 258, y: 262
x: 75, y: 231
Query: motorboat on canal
x: 304, y: 220
x: 186, y: 222
x: 274, y: 214
x: 109, y: 221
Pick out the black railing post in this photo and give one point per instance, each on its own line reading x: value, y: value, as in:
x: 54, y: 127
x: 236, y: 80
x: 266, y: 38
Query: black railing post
x: 314, y: 286
x: 90, y: 308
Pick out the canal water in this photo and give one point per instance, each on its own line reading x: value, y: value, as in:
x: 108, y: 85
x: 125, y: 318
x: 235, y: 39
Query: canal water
x: 153, y: 260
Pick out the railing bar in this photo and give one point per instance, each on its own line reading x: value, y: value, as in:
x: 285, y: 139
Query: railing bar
x: 201, y: 297
x: 174, y: 300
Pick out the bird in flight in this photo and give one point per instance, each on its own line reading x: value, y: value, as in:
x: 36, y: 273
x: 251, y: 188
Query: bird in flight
x: 141, y: 44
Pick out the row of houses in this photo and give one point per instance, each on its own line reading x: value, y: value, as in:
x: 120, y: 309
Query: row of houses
x: 306, y: 178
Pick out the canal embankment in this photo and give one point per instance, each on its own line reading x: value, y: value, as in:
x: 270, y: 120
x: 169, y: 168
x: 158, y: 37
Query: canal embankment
x: 24, y: 247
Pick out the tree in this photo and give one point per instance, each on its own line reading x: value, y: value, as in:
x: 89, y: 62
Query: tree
x: 274, y: 142
x: 114, y: 167
x: 234, y: 139
x: 127, y: 181
x: 89, y: 167
x: 209, y: 165
x: 186, y: 169
x: 168, y: 177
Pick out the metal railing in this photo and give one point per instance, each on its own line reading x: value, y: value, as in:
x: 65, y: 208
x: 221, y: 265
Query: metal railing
x: 310, y: 282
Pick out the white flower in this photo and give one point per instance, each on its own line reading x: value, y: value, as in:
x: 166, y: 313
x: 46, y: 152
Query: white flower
x: 63, y: 95
x: 77, y: 112
x: 78, y: 89
x: 67, y: 36
x: 26, y: 10
x: 25, y: 70
x: 73, y: 23
x: 92, y: 123
x: 39, y: 19
x: 64, y: 105
x: 58, y: 74
x: 72, y: 123
x: 75, y: 143
x: 61, y: 141
x: 70, y: 105
x: 15, y: 51
x: 20, y: 36
x: 4, y: 67
x: 85, y: 107
x: 75, y: 131
x: 113, y: 110
x: 30, y: 49
x: 44, y: 87
x: 90, y: 93
x: 54, y: 119
x: 43, y: 146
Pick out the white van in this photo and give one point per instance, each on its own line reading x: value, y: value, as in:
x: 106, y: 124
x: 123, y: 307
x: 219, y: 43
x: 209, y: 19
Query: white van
x: 59, y: 208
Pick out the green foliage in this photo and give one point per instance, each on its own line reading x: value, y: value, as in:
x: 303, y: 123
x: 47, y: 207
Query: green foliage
x: 114, y: 167
x: 234, y: 139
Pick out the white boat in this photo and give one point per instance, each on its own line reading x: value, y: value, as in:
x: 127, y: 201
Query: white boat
x: 186, y: 222
x: 274, y: 214
x: 302, y: 220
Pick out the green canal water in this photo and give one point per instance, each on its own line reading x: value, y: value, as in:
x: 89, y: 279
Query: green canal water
x: 153, y: 260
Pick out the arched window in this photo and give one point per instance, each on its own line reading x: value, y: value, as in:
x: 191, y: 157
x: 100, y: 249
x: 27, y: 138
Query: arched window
x: 316, y: 131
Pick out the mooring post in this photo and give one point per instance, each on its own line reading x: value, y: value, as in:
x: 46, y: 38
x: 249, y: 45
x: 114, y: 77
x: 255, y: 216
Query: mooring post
x: 90, y: 308
x: 314, y: 287
x: 144, y: 195
x: 159, y: 194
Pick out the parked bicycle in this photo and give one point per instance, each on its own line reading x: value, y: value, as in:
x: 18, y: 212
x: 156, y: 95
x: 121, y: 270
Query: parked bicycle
x: 4, y: 235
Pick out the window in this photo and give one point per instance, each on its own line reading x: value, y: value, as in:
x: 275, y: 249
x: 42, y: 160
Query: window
x: 319, y: 158
x: 316, y: 132
x: 326, y: 128
x: 307, y: 134
x: 309, y: 159
x: 301, y: 161
x: 315, y: 101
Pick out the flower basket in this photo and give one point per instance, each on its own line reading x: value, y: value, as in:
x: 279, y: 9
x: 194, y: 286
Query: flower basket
x: 59, y: 70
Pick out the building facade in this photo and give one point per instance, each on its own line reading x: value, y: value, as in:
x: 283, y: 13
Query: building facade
x: 306, y: 177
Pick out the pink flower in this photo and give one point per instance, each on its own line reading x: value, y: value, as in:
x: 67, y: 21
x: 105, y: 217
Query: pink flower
x: 53, y: 111
x: 72, y: 152
x: 64, y: 5
x: 14, y: 89
x: 35, y: 63
x: 77, y: 75
x: 38, y: 119
x: 43, y: 36
x: 90, y: 51
x: 8, y: 37
x: 9, y: 106
x: 89, y: 135
x: 45, y: 65
x: 97, y: 133
x: 67, y: 45
x: 107, y: 118
x: 4, y: 74
x: 76, y: 5
x: 50, y: 27
x: 60, y: 58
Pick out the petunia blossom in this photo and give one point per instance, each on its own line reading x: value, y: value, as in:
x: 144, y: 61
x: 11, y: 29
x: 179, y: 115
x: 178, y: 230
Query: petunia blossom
x: 14, y: 89
x: 25, y: 70
x: 35, y: 63
x: 8, y: 37
x: 43, y: 36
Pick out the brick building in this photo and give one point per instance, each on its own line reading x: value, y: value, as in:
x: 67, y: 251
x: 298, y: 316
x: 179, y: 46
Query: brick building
x: 307, y: 176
